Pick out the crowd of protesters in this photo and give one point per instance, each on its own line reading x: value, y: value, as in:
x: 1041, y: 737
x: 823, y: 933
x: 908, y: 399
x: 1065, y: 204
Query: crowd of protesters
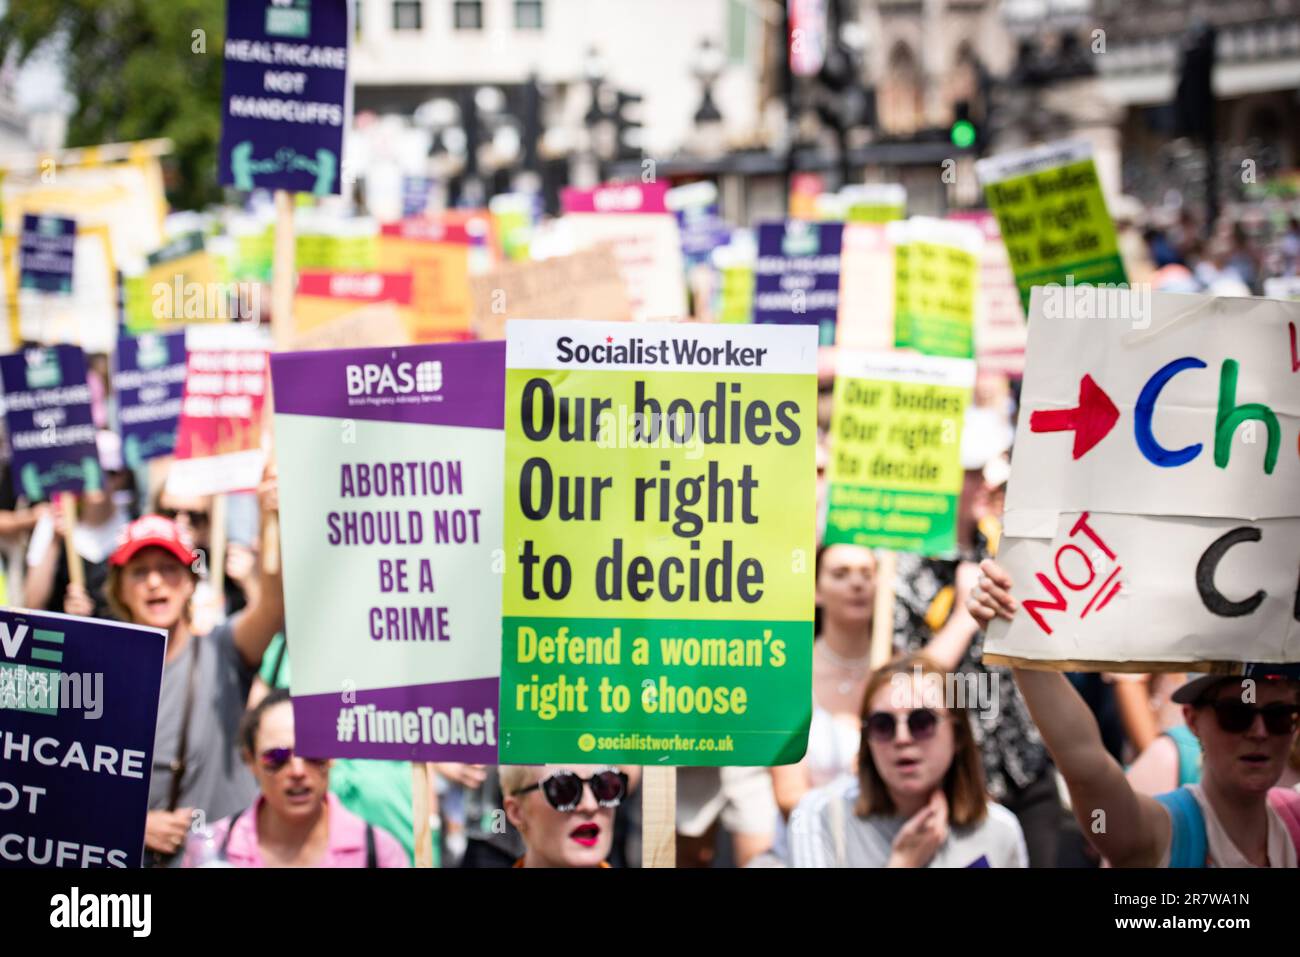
x: 1184, y: 772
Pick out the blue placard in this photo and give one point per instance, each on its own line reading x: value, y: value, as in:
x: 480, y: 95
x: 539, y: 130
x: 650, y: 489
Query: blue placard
x: 285, y: 99
x: 45, y: 253
x: 78, y: 713
x: 51, y: 428
x: 797, y: 276
x: 149, y: 383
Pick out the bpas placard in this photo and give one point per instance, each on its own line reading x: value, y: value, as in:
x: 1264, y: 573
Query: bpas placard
x: 51, y: 428
x: 1152, y: 513
x: 390, y: 514
x: 659, y: 537
x: 79, y: 708
x: 895, y: 470
x: 285, y: 99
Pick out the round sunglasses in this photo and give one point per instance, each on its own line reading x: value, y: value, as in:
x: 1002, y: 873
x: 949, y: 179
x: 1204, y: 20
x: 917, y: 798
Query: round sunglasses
x: 273, y: 759
x: 1237, y: 717
x: 563, y: 789
x: 882, y: 726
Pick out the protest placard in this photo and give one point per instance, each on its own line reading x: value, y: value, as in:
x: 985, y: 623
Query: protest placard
x: 417, y: 194
x: 369, y: 326
x: 1053, y: 216
x: 866, y: 308
x: 49, y: 422
x: 179, y: 285
x: 874, y: 202
x: 285, y: 98
x: 325, y: 240
x: 391, y: 471
x: 895, y: 467
x: 1151, y: 517
x: 46, y: 249
x: 513, y: 218
x: 936, y: 278
x: 86, y: 314
x: 436, y: 254
x: 647, y: 242
x: 585, y: 285
x: 1000, y: 332
x: 325, y: 297
x: 219, y: 439
x: 797, y: 276
x: 659, y: 539
x: 116, y: 186
x: 701, y: 225
x: 735, y: 290
x: 1282, y: 287
x: 149, y: 382
x: 79, y: 699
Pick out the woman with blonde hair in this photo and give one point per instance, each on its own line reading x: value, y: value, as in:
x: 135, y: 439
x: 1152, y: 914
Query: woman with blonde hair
x: 918, y: 799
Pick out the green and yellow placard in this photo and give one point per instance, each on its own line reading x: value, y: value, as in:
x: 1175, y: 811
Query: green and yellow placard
x: 895, y: 469
x: 1053, y: 216
x: 935, y: 283
x: 659, y: 541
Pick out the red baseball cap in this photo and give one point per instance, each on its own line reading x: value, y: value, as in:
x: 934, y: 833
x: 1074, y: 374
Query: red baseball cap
x: 151, y: 531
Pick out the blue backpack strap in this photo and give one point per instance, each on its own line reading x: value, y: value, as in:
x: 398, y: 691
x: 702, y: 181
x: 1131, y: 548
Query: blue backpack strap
x: 1187, y: 842
x: 1189, y: 754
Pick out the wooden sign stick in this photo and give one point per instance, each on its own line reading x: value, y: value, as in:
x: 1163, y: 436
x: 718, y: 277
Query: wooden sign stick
x: 882, y: 616
x: 282, y: 286
x: 659, y: 817
x: 76, y: 570
x: 421, y: 811
x: 217, y: 552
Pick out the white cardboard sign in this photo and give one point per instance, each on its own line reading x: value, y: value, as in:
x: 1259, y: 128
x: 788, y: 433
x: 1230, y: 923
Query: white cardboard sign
x: 1153, y: 512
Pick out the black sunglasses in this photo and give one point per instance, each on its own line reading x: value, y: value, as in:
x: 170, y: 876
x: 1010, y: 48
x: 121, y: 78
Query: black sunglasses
x: 563, y: 789
x: 882, y: 726
x: 195, y: 517
x: 273, y: 759
x: 1237, y: 717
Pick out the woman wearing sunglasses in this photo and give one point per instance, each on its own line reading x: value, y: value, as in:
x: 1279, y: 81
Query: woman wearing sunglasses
x: 296, y: 821
x: 565, y: 813
x: 918, y: 799
x: 1235, y: 817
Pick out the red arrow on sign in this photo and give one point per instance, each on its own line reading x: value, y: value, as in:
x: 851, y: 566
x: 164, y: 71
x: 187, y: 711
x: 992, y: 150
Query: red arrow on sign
x: 1090, y: 420
x: 1295, y: 357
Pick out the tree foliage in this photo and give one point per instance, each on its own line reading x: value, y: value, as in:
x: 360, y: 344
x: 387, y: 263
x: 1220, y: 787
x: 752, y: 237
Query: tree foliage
x: 136, y: 69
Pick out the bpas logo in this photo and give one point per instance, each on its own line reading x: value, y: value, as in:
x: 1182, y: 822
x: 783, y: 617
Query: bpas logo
x: 401, y: 379
x: 289, y: 18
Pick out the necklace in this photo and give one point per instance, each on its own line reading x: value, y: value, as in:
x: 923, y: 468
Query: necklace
x: 856, y: 667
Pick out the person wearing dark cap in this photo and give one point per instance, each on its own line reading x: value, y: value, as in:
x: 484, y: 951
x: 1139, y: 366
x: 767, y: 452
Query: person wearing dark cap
x: 1246, y: 725
x: 198, y: 776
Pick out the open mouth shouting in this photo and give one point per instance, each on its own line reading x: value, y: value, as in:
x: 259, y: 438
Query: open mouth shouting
x: 586, y: 834
x: 908, y: 764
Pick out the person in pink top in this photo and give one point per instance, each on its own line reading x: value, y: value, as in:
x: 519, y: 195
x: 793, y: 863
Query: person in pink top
x: 295, y: 821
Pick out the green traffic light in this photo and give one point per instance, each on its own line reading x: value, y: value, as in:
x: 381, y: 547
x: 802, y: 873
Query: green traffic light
x: 962, y: 134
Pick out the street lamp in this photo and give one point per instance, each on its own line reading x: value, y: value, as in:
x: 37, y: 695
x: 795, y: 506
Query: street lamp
x: 602, y: 131
x: 707, y: 67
